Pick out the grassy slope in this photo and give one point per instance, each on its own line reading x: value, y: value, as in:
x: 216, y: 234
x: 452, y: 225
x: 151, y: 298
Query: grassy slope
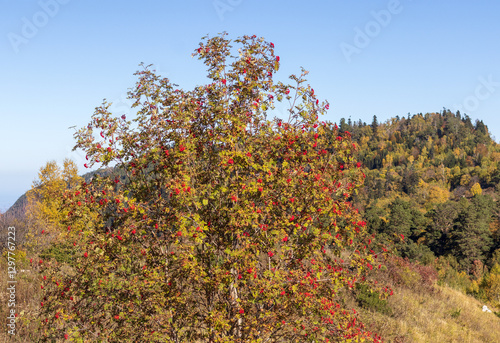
x: 445, y: 315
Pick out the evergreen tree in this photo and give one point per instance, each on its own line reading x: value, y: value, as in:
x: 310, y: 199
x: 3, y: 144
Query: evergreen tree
x: 468, y: 122
x: 405, y: 226
x: 441, y: 221
x: 471, y: 237
x: 481, y: 127
x: 343, y: 127
x: 375, y: 126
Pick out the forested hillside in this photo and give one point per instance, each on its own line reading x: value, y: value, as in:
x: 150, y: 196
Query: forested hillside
x: 433, y: 178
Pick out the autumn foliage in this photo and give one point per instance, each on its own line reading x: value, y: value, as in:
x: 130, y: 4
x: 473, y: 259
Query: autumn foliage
x: 218, y: 224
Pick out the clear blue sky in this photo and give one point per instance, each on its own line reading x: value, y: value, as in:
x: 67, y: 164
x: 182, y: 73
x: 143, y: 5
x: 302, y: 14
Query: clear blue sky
x: 60, y: 58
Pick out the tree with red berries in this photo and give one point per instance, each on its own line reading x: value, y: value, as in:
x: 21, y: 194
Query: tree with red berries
x: 218, y: 223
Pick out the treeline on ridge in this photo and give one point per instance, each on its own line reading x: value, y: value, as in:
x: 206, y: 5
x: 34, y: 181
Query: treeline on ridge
x: 433, y: 178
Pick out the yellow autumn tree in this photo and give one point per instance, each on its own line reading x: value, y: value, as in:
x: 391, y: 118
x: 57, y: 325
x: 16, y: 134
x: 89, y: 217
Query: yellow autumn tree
x: 476, y: 189
x: 493, y: 286
x: 432, y: 193
x: 43, y: 212
x: 438, y: 194
x: 489, y: 286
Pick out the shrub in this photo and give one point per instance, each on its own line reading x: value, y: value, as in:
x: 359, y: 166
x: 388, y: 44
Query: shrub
x: 456, y: 313
x: 372, y: 300
x: 487, y: 288
x: 61, y: 252
x: 448, y: 274
x: 413, y: 275
x: 227, y: 227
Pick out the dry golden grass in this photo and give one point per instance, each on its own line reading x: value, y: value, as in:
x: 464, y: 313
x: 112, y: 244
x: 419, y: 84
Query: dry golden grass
x: 446, y: 315
x: 27, y: 301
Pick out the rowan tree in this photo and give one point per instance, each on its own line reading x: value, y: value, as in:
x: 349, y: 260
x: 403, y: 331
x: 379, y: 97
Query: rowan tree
x: 219, y: 223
